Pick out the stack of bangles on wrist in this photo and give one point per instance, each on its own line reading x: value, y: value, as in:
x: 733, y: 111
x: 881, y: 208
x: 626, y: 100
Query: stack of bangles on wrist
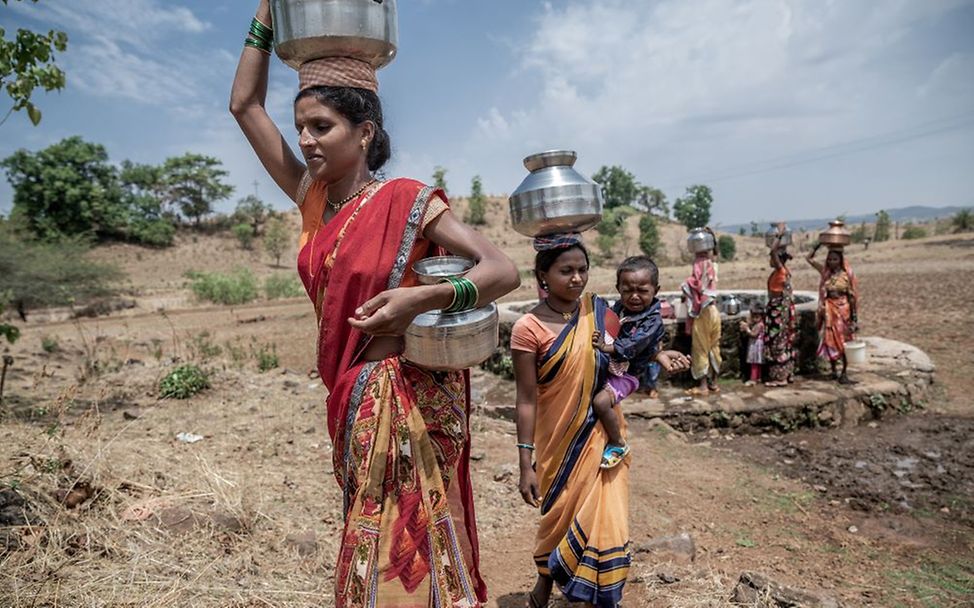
x: 260, y: 37
x: 465, y: 294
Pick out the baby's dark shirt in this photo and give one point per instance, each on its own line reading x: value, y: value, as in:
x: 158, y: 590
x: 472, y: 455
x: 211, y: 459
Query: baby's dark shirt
x: 639, y: 336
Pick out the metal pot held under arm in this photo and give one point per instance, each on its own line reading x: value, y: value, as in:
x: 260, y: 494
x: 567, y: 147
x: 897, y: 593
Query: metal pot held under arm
x: 452, y: 341
x: 312, y: 29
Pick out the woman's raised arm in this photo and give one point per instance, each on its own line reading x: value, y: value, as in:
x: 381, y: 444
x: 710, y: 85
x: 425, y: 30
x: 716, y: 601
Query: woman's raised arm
x: 247, y: 106
x: 810, y: 258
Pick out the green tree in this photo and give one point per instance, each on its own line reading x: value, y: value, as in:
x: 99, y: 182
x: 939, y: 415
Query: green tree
x: 649, y: 240
x: 253, y: 211
x: 693, y: 209
x: 963, y: 221
x: 66, y: 189
x: 276, y: 239
x: 741, y: 231
x: 244, y: 235
x: 477, y: 211
x: 36, y: 274
x: 860, y: 233
x: 619, y: 187
x: 609, y: 228
x: 439, y: 178
x: 911, y: 232
x: 27, y: 62
x: 143, y: 192
x: 654, y: 201
x: 727, y: 247
x: 194, y: 183
x: 883, y: 224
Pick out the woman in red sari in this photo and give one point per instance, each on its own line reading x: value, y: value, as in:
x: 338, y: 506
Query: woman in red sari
x: 838, y: 295
x: 400, y: 434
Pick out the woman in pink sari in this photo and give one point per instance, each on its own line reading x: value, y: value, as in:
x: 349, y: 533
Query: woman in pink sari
x: 400, y: 434
x: 838, y: 297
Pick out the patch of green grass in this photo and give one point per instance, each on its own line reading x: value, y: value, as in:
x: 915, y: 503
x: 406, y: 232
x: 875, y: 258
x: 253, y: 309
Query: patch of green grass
x: 183, y: 382
x: 266, y: 356
x: 746, y: 542
x: 937, y: 584
x: 238, y: 287
x: 50, y: 344
x: 282, y: 285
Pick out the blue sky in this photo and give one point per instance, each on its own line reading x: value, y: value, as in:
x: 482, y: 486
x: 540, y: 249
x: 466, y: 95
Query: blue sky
x: 786, y: 108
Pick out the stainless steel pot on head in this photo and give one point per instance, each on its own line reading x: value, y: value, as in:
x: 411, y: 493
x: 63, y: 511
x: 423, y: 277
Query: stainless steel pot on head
x: 312, y: 29
x: 554, y: 197
x: 700, y: 240
x: 784, y: 240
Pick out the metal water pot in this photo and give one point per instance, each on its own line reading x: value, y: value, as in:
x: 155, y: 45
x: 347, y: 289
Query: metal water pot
x: 452, y: 341
x: 312, y: 29
x: 554, y: 197
x: 700, y: 240
x: 836, y: 235
x: 732, y: 305
x: 772, y: 234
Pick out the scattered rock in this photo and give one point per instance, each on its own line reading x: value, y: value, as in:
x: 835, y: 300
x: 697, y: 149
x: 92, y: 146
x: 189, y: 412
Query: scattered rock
x: 131, y: 414
x: 225, y: 521
x: 75, y: 495
x: 477, y: 456
x: 177, y: 520
x: 14, y: 510
x: 305, y: 542
x: 188, y: 437
x: 504, y: 472
x: 667, y: 578
x: 853, y: 529
x: 679, y: 548
x: 759, y: 591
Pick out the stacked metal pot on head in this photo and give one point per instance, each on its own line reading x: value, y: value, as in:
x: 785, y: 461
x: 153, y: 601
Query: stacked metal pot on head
x: 700, y: 240
x: 783, y: 237
x: 312, y: 29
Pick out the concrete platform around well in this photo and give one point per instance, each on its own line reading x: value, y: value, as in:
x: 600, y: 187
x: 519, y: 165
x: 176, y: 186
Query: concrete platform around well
x: 896, y: 378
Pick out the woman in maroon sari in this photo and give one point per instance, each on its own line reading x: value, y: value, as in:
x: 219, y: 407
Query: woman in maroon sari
x: 400, y: 434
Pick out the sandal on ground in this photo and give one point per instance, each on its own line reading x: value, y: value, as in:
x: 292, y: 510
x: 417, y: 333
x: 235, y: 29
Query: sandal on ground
x: 713, y: 388
x: 534, y: 602
x: 843, y: 379
x: 775, y: 384
x: 613, y: 455
x: 749, y: 383
x: 696, y: 392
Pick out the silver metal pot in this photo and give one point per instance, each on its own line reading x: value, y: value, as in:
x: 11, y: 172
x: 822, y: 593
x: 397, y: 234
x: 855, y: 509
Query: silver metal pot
x: 430, y: 271
x: 772, y: 234
x: 312, y: 29
x: 554, y: 197
x: 700, y: 240
x: 732, y: 305
x: 452, y: 341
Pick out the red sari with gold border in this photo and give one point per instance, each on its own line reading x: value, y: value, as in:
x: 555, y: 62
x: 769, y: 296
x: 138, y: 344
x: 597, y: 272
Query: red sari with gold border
x: 400, y: 433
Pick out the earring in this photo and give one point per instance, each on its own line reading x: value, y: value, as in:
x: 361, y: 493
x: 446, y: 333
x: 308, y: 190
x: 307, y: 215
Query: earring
x: 544, y: 286
x: 365, y: 144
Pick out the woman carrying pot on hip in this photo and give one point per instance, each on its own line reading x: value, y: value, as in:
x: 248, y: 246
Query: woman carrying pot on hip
x: 400, y: 434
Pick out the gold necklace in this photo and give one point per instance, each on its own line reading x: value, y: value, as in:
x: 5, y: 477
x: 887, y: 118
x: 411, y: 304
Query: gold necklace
x: 336, y: 207
x: 564, y: 315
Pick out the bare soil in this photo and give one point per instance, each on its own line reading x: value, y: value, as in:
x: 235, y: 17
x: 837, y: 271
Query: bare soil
x: 102, y: 505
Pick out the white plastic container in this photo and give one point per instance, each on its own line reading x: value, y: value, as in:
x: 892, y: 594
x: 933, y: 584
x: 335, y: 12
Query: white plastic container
x: 855, y: 352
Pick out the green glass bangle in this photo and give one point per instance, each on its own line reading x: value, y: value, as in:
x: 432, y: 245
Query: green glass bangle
x: 259, y: 45
x: 526, y: 446
x: 464, y: 294
x: 265, y: 30
x: 260, y: 35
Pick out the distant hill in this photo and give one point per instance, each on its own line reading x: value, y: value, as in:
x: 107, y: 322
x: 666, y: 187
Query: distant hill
x: 915, y: 213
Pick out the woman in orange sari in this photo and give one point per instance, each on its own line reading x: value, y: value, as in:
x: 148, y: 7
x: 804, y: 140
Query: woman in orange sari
x: 400, y: 433
x: 583, y: 538
x: 838, y: 295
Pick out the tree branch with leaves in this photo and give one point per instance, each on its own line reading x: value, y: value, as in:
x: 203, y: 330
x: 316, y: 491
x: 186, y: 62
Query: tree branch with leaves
x: 26, y: 63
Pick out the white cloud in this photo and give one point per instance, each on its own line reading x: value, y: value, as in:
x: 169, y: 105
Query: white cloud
x: 679, y: 91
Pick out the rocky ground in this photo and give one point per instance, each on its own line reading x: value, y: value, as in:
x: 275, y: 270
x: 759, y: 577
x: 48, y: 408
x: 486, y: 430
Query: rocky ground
x: 104, y: 503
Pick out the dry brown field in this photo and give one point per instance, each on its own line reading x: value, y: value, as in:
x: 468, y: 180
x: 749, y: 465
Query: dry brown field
x: 121, y: 513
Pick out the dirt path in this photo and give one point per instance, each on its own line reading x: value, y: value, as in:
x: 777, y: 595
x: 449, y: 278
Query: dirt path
x: 797, y: 508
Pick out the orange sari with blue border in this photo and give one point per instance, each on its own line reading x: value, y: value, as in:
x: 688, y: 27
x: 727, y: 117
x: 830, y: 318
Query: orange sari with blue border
x: 400, y: 434
x: 583, y: 538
